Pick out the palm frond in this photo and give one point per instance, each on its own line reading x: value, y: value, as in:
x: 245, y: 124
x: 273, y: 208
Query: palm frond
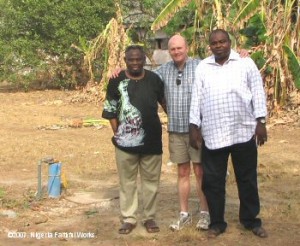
x: 167, y: 13
x: 247, y: 11
x: 293, y: 64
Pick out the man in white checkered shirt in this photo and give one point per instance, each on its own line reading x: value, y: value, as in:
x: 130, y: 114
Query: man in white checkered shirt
x: 229, y: 106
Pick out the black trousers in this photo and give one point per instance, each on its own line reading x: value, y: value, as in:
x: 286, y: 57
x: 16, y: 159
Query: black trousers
x: 244, y: 159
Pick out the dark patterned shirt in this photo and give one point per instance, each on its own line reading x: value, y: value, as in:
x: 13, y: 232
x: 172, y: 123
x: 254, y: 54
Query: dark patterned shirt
x: 134, y: 104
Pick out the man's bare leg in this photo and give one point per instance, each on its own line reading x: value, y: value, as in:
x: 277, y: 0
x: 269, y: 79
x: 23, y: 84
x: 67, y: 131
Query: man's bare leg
x: 183, y: 182
x: 204, y: 220
x: 184, y: 171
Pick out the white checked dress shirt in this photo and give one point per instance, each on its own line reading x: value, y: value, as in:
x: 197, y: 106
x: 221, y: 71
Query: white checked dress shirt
x: 226, y: 100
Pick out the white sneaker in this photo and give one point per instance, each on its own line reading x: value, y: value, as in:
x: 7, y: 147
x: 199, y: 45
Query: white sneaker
x: 204, y: 221
x: 182, y: 222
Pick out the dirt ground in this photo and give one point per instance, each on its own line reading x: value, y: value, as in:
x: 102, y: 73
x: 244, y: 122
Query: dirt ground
x: 35, y: 125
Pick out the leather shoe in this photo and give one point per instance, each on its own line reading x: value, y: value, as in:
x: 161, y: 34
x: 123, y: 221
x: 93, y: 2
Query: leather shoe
x: 260, y: 232
x: 213, y: 232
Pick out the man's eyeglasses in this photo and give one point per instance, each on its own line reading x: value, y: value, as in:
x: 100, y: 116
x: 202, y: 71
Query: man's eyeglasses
x: 179, y: 77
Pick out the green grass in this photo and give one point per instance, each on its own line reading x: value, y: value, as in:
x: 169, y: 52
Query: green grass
x: 2, y: 192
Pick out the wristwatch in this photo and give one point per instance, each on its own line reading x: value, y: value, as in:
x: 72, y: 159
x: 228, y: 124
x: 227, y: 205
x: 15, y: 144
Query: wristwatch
x: 262, y: 120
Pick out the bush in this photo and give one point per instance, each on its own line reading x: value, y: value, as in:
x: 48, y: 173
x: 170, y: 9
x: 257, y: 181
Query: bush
x: 36, y: 38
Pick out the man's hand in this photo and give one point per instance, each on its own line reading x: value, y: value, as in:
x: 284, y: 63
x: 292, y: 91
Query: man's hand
x: 261, y: 134
x: 115, y: 73
x: 195, y: 136
x: 114, y: 125
x: 243, y: 53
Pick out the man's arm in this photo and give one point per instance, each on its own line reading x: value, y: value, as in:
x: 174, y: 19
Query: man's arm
x: 261, y: 131
x: 116, y: 73
x: 195, y: 120
x: 110, y: 105
x: 114, y: 125
x: 195, y: 136
x: 259, y: 102
x: 163, y: 104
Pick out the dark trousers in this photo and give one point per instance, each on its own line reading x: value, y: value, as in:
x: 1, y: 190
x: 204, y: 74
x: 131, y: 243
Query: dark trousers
x: 244, y: 160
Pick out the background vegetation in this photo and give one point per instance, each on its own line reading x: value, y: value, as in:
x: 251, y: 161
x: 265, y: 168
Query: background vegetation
x: 269, y: 29
x: 36, y: 38
x: 66, y: 44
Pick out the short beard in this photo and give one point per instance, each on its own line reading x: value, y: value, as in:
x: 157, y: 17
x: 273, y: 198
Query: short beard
x: 135, y: 73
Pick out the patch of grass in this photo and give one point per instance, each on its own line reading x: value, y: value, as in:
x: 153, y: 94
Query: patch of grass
x: 11, y: 200
x: 2, y: 192
x: 10, y: 203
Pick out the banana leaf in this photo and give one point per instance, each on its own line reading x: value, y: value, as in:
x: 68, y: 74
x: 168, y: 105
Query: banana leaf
x: 247, y: 11
x: 293, y: 65
x: 168, y: 12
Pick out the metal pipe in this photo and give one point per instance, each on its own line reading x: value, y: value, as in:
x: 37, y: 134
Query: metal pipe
x: 39, y: 192
x: 48, y: 160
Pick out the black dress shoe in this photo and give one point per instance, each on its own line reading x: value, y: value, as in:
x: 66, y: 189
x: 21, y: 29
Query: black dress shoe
x: 213, y: 232
x: 260, y: 232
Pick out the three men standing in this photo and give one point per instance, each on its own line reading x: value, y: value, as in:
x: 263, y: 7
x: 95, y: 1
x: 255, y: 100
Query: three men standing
x: 223, y: 103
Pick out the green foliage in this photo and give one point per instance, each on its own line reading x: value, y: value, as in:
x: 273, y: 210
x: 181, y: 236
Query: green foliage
x: 248, y: 9
x: 260, y: 61
x: 293, y: 64
x: 261, y: 26
x: 255, y: 31
x: 167, y: 13
x: 138, y: 16
x: 37, y: 34
x: 2, y: 192
x: 181, y: 21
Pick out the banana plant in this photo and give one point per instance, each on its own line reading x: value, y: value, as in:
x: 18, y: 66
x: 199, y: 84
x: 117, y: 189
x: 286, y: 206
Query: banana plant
x: 293, y: 64
x: 247, y: 11
x: 279, y: 47
x: 108, y: 47
x: 168, y: 13
x: 175, y: 5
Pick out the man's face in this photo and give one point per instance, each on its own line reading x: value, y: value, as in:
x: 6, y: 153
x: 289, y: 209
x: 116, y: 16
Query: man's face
x: 178, y: 50
x: 220, y: 46
x: 135, y: 62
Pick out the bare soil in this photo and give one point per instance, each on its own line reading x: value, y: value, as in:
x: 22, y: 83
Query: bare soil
x: 39, y: 124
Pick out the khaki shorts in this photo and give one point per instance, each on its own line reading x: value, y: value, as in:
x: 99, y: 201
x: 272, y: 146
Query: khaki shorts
x: 180, y: 149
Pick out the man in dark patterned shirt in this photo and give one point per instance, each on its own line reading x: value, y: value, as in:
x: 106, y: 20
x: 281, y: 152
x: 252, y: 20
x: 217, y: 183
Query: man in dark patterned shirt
x: 131, y: 106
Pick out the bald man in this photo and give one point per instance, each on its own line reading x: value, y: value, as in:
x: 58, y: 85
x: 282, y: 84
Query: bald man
x: 178, y: 76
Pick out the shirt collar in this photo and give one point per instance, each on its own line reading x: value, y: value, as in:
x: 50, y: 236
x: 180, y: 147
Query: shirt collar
x: 232, y: 56
x: 189, y: 59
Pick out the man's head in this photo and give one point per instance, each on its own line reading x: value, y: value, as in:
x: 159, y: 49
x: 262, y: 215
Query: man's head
x: 135, y: 59
x: 178, y: 49
x: 220, y: 45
